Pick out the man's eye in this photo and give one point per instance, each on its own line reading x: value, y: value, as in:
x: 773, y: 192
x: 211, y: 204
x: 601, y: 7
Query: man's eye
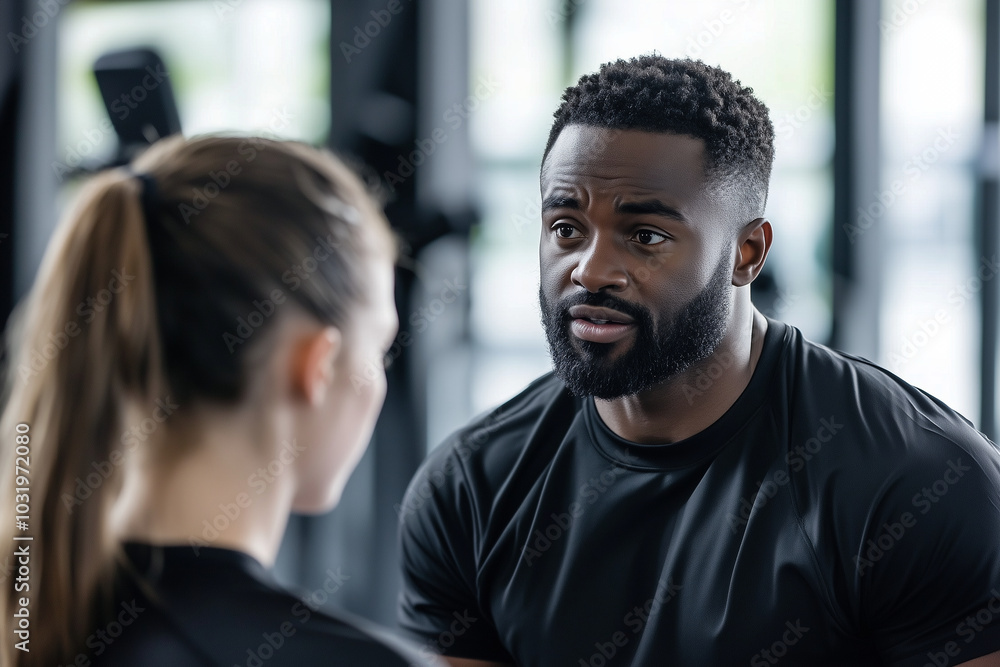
x: 649, y: 237
x: 565, y: 231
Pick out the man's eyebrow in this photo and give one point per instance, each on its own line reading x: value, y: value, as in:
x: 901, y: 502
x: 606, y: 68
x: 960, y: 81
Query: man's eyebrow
x: 559, y: 201
x: 650, y: 206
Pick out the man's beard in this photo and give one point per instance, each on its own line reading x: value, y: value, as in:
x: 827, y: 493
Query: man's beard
x: 657, y: 353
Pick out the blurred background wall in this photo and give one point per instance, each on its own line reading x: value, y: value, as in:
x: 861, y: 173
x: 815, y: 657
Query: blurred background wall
x: 883, y: 197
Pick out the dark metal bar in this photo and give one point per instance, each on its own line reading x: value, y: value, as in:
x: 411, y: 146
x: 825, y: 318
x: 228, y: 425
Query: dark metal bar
x: 844, y: 194
x: 857, y: 239
x: 987, y: 235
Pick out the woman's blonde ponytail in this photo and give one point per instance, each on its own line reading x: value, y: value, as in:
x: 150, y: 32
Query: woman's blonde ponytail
x: 82, y: 348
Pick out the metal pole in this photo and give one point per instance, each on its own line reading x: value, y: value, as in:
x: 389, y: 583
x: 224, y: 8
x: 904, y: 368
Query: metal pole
x: 987, y: 236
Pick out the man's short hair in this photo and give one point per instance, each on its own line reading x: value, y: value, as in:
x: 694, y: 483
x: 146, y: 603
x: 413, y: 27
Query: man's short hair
x: 656, y: 94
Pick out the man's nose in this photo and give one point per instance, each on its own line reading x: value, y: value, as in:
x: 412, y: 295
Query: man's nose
x: 600, y: 266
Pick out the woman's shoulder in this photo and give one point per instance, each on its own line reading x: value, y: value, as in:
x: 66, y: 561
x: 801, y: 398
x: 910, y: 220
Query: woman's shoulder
x: 217, y: 606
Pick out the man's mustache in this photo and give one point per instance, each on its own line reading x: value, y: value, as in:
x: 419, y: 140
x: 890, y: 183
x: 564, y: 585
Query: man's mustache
x: 603, y: 300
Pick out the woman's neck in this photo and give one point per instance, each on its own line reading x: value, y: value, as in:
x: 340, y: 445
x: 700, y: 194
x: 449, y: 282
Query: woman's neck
x: 213, y: 482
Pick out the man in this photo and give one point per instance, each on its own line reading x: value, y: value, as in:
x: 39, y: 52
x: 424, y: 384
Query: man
x: 696, y: 484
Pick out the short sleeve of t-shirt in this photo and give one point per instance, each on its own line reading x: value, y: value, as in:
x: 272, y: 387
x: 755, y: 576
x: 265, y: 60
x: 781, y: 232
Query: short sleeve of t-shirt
x: 439, y: 606
x: 928, y: 569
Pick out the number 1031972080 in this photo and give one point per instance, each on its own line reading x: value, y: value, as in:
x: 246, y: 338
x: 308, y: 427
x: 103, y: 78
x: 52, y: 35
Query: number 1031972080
x: 22, y: 481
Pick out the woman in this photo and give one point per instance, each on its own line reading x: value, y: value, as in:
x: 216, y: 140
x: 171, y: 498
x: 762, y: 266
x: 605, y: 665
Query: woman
x: 201, y: 354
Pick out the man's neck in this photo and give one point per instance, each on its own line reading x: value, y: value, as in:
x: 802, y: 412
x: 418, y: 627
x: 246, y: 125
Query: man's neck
x: 692, y: 401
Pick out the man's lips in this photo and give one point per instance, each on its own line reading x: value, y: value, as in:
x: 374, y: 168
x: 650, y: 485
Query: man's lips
x: 599, y: 315
x: 599, y: 333
x: 599, y: 325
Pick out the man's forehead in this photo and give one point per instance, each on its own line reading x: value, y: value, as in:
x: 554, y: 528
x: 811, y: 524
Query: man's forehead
x: 634, y: 157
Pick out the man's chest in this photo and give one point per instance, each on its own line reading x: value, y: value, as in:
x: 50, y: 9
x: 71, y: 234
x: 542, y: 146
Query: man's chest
x: 615, y: 566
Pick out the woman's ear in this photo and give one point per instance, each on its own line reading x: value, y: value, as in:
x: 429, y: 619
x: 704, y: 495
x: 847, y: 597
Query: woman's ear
x: 313, y: 366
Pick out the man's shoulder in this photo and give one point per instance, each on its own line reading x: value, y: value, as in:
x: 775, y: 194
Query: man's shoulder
x: 856, y: 384
x: 860, y: 412
x: 484, y: 451
x: 511, y: 421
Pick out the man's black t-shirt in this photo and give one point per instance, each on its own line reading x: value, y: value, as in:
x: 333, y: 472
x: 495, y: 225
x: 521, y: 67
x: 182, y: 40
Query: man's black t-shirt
x: 834, y: 515
x: 218, y: 607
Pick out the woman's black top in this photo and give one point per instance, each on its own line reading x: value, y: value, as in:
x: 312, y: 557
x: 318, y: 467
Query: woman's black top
x: 182, y: 605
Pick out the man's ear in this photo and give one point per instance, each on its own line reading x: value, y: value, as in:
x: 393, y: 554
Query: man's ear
x: 752, y: 245
x: 313, y: 365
